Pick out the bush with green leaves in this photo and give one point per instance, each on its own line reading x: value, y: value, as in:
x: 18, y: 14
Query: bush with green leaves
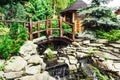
x: 11, y: 43
x: 112, y: 35
x: 3, y: 29
x: 5, y: 46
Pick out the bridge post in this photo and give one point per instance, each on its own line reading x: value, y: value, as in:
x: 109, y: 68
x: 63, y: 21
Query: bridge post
x: 73, y: 31
x: 38, y: 27
x: 50, y: 28
x: 46, y: 26
x: 60, y: 26
x: 30, y: 29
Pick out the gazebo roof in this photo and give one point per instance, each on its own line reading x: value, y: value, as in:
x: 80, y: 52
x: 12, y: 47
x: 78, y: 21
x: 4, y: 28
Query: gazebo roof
x: 75, y: 6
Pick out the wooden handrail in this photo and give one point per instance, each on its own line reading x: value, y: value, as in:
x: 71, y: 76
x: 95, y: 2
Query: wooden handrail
x: 48, y: 27
x: 12, y: 21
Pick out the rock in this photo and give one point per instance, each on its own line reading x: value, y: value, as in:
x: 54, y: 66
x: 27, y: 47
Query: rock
x: 81, y: 54
x: 62, y: 58
x: 13, y: 75
x: 86, y: 42
x: 28, y: 48
x: 16, y: 63
x: 118, y: 41
x: 75, y: 61
x: 26, y: 57
x: 76, y: 44
x: 2, y: 62
x: 102, y: 41
x: 43, y: 66
x: 110, y: 65
x: 115, y: 45
x: 35, y: 59
x: 70, y: 51
x: 95, y: 44
x: 60, y: 61
x: 67, y: 61
x: 111, y: 56
x: 72, y: 67
x: 55, y: 52
x: 71, y: 57
x: 33, y: 69
x: 116, y: 50
x: 1, y: 74
x: 117, y: 66
x: 51, y: 78
x: 46, y: 76
x: 40, y: 76
x: 27, y: 78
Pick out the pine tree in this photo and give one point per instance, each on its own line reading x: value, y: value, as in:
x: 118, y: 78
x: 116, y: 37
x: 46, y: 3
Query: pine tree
x: 99, y: 17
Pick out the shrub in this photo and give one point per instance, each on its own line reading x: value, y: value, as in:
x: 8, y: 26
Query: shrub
x: 112, y: 35
x: 5, y: 46
x: 10, y: 44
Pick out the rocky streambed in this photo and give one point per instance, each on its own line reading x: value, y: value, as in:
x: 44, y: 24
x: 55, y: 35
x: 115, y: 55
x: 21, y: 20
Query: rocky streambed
x: 84, y: 59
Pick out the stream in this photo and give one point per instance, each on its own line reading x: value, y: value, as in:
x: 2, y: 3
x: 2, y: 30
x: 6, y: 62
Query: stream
x: 61, y: 71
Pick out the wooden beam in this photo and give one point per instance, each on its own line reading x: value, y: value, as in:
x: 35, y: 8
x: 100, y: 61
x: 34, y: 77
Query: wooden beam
x: 30, y: 30
x: 60, y: 26
x: 46, y: 25
x: 38, y: 27
x: 73, y: 17
x: 73, y: 32
x: 50, y: 28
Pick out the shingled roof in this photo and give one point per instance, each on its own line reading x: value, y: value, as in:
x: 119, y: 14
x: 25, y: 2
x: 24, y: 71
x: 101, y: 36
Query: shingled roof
x: 75, y: 6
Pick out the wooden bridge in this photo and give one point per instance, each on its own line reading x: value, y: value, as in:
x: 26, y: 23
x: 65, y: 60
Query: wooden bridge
x: 35, y: 31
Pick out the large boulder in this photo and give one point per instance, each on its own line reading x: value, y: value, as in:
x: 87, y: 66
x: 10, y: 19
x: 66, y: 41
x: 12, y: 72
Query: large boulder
x: 35, y: 59
x: 16, y: 63
x: 33, y: 69
x: 13, y: 75
x: 41, y: 76
x: 1, y: 74
x: 28, y: 48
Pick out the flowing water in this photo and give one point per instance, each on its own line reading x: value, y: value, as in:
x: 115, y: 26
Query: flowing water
x: 61, y: 71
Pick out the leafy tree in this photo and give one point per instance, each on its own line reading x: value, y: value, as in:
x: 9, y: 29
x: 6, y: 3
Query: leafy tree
x: 38, y: 9
x: 99, y: 17
x: 18, y: 12
x: 59, y: 5
x: 10, y: 8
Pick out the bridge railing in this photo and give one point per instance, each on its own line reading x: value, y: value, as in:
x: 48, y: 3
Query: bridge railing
x: 48, y: 29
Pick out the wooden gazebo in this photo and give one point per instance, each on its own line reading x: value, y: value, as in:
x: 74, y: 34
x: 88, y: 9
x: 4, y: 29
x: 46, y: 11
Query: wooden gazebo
x: 70, y: 14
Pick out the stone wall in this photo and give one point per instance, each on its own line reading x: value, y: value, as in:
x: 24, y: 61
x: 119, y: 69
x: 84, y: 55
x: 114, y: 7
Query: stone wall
x: 105, y: 54
x: 28, y: 66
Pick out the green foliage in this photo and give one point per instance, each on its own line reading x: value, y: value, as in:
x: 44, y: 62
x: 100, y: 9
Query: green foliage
x: 38, y: 9
x: 99, y: 17
x: 5, y: 46
x: 19, y: 36
x: 10, y: 44
x: 111, y: 35
x: 3, y: 29
x: 66, y: 28
x: 14, y: 11
x: 50, y: 54
x: 59, y: 5
x: 3, y: 65
x: 101, y: 76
